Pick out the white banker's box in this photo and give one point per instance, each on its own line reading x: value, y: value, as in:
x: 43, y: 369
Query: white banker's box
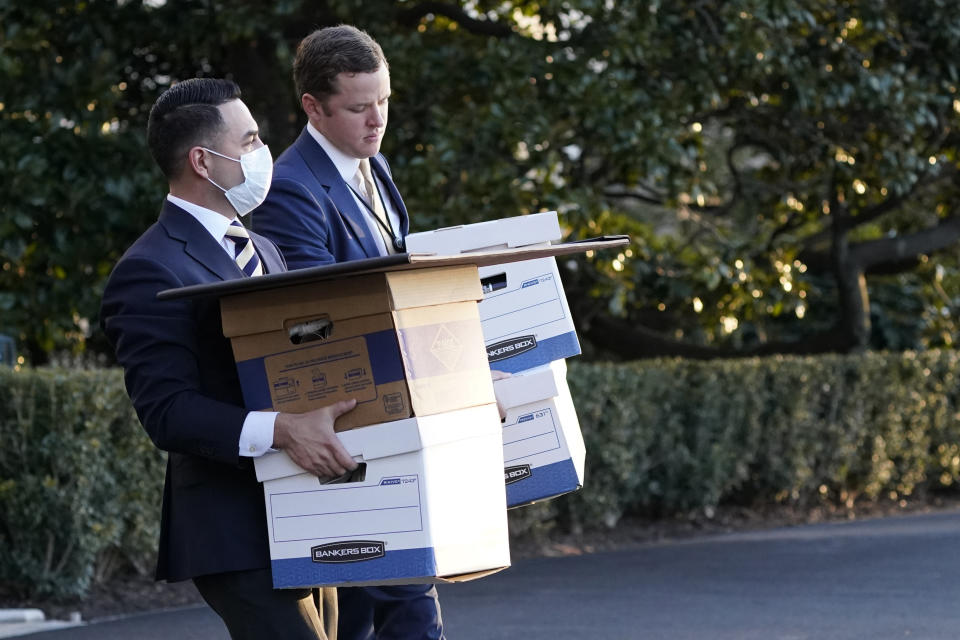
x: 524, y: 313
x: 430, y: 508
x: 543, y: 450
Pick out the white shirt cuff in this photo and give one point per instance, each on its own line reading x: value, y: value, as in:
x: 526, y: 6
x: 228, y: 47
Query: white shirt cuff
x: 256, y: 437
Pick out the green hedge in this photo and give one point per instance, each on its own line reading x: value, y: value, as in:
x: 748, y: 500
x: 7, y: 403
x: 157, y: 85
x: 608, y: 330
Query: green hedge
x: 672, y: 436
x: 80, y: 482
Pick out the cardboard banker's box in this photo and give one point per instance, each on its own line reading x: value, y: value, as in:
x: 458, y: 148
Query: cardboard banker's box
x: 524, y: 313
x: 430, y: 506
x: 543, y: 448
x: 403, y: 343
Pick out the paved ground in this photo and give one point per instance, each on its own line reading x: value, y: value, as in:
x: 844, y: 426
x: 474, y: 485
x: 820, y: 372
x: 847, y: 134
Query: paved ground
x: 877, y: 579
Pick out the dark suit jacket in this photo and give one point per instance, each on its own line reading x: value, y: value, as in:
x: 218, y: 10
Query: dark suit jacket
x: 311, y: 213
x: 181, y: 377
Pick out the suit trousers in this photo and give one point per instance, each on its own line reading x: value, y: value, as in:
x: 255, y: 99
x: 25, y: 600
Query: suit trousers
x: 253, y: 610
x: 397, y: 612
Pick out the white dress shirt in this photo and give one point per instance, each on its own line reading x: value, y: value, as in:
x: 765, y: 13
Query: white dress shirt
x: 347, y: 168
x: 256, y: 436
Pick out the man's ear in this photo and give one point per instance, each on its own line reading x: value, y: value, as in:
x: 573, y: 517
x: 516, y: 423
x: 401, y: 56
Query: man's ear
x: 312, y: 107
x: 197, y: 161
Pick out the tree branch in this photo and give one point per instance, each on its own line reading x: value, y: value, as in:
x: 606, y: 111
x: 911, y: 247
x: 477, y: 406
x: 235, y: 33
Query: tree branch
x: 709, y: 21
x: 794, y: 221
x: 630, y: 341
x: 816, y: 258
x: 639, y: 192
x: 412, y: 16
x: 876, y: 254
x: 872, y: 213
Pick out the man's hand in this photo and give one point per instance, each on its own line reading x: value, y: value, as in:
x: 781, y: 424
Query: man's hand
x: 309, y: 440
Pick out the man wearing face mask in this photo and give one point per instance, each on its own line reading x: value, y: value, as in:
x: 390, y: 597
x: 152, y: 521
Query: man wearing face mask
x: 180, y: 373
x: 332, y: 200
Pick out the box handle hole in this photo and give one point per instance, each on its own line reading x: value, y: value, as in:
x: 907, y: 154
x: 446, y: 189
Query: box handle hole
x: 310, y: 330
x: 494, y: 283
x: 357, y: 475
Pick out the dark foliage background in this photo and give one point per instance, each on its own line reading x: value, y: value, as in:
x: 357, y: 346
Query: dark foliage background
x: 787, y: 170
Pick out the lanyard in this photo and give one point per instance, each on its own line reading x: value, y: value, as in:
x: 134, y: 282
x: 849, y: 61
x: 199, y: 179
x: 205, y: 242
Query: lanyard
x: 398, y: 242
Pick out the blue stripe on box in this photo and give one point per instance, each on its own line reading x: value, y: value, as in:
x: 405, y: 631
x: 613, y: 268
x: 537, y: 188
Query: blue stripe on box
x: 544, y: 482
x: 382, y: 349
x: 558, y: 347
x: 290, y: 573
x: 384, y: 355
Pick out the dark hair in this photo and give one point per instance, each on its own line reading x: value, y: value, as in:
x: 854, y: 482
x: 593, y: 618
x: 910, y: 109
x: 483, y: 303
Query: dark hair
x: 185, y: 116
x: 327, y: 52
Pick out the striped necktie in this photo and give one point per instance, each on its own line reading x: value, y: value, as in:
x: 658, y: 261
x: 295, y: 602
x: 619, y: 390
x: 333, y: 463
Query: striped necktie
x: 244, y: 253
x: 369, y: 192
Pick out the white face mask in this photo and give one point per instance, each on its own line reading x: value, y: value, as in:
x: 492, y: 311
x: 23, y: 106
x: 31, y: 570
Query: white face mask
x: 257, y: 167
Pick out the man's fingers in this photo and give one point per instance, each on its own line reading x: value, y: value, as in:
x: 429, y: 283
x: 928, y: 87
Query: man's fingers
x: 339, y: 453
x: 335, y: 468
x: 304, y: 462
x: 313, y: 444
x: 343, y: 457
x: 324, y: 467
x: 337, y: 409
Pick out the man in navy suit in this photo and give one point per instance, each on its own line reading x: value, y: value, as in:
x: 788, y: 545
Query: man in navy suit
x: 320, y: 211
x: 316, y: 210
x: 180, y: 371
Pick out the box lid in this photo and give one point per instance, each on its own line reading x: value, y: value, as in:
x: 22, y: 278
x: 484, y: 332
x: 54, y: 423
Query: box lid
x: 397, y: 262
x: 532, y: 385
x: 518, y: 231
x: 394, y: 438
x: 255, y: 311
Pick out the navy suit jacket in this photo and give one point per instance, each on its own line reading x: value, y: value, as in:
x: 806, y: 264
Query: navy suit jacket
x: 180, y: 374
x: 311, y: 213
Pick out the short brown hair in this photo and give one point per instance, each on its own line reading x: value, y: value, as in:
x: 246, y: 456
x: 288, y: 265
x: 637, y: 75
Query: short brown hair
x: 330, y: 51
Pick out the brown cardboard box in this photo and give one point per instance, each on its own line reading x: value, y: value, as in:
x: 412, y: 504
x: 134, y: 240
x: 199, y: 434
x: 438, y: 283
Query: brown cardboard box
x: 403, y: 343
